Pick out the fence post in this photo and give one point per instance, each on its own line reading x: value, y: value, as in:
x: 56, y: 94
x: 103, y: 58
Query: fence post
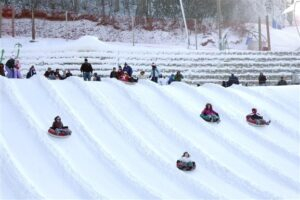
x: 196, y: 32
x: 0, y: 20
x: 132, y: 29
x: 268, y: 33
x: 13, y: 21
x: 259, y: 34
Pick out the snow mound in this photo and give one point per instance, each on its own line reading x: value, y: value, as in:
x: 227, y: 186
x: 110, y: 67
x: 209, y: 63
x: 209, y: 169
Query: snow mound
x: 86, y: 43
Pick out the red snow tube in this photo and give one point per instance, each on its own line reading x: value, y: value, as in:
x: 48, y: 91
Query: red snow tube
x: 184, y: 166
x: 60, y: 135
x: 253, y: 122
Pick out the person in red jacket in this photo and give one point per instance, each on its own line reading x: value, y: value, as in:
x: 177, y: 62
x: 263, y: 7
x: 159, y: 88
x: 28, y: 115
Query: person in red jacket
x: 256, y: 118
x: 208, y: 114
x: 59, y: 128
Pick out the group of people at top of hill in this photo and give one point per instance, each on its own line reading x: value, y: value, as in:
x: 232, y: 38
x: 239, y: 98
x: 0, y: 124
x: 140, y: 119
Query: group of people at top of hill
x: 55, y: 75
x: 210, y: 115
x: 262, y: 80
x: 12, y: 69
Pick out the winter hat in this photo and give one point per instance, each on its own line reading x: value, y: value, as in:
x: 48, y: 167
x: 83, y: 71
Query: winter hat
x: 56, y: 118
x: 254, y: 110
x: 85, y: 59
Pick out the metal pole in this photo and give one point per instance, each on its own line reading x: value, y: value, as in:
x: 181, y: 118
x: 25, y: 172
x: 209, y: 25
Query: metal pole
x: 66, y: 26
x: 184, y: 20
x: 132, y: 29
x: 259, y: 34
x: 219, y: 23
x: 295, y: 17
x: 268, y: 33
x: 196, y: 32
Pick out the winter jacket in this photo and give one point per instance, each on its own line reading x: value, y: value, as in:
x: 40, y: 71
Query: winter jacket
x: 114, y: 74
x: 233, y: 80
x: 10, y: 63
x: 86, y: 67
x: 12, y: 73
x: 119, y: 73
x: 30, y: 73
x: 178, y: 77
x: 185, y: 159
x: 254, y: 116
x: 125, y: 77
x: 207, y: 111
x: 2, y: 72
x: 282, y: 82
x: 128, y: 69
x: 262, y: 79
x: 154, y: 73
x: 57, y: 124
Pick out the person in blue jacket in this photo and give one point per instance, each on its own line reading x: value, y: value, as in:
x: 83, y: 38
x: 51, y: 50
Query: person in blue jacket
x: 127, y: 69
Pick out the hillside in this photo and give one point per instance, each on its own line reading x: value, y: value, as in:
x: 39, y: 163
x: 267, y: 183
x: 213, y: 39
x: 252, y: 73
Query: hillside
x: 126, y: 140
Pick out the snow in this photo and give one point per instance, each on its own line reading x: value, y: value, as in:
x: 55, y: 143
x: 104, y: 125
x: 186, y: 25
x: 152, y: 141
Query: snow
x: 126, y: 139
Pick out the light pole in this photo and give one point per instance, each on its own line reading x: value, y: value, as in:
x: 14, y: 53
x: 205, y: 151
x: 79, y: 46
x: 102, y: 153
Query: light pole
x: 186, y: 29
x: 295, y: 3
x: 219, y: 23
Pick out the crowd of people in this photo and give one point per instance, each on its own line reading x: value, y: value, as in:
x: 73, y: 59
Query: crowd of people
x: 12, y: 70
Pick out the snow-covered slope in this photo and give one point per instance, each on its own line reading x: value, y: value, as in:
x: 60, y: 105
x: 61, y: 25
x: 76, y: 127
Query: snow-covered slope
x: 126, y: 140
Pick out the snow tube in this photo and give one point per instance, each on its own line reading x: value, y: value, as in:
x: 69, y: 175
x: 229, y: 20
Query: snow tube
x: 208, y: 119
x: 128, y: 82
x: 63, y: 134
x: 185, y: 166
x: 253, y: 122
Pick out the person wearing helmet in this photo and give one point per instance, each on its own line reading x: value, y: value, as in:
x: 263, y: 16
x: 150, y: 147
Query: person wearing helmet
x: 256, y: 118
x: 59, y: 128
x: 185, y: 163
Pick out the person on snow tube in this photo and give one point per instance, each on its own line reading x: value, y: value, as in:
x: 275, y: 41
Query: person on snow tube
x: 185, y: 163
x: 59, y: 128
x: 256, y: 118
x: 208, y: 114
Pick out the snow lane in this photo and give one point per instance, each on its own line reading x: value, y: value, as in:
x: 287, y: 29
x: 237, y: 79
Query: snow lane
x: 129, y: 134
x: 38, y: 167
x: 127, y: 138
x: 238, y: 108
x: 212, y: 142
x: 287, y: 177
x: 107, y: 166
x: 206, y: 176
x: 197, y: 97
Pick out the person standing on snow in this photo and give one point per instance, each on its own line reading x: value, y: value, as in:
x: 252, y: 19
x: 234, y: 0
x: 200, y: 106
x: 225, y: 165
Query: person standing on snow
x: 87, y: 70
x: 262, y: 79
x: 154, y: 73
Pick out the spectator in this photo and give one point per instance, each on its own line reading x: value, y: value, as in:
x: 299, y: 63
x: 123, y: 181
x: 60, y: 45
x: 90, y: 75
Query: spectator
x: 2, y: 72
x: 47, y: 73
x: 57, y: 75
x: 262, y: 79
x: 295, y: 78
x: 232, y: 80
x: 31, y: 72
x: 178, y: 76
x: 87, y: 70
x: 224, y: 84
x: 96, y: 77
x: 52, y: 75
x: 127, y: 69
x: 114, y: 73
x: 154, y: 73
x: 282, y: 81
x: 142, y: 75
x: 120, y: 72
x: 171, y: 79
